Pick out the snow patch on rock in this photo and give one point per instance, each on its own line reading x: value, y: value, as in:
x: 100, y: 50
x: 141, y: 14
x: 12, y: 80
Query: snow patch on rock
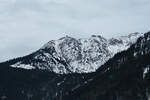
x: 24, y: 66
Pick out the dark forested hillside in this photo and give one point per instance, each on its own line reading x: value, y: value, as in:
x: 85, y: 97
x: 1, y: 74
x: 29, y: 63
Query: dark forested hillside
x: 124, y: 77
x: 22, y: 84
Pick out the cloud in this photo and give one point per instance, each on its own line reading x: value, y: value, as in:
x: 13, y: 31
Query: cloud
x: 25, y: 25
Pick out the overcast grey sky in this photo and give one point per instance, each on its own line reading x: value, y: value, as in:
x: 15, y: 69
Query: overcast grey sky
x: 25, y: 25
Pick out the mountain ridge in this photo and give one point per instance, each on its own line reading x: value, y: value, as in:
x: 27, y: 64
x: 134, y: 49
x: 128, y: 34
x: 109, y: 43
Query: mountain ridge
x: 71, y: 55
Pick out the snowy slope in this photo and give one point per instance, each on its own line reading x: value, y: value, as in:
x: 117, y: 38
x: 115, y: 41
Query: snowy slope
x: 70, y: 55
x: 123, y: 43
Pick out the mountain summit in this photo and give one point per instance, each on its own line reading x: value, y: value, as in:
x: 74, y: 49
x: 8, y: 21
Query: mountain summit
x: 71, y: 55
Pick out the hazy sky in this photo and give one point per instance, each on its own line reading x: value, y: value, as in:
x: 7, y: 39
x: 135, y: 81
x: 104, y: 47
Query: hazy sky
x: 25, y: 25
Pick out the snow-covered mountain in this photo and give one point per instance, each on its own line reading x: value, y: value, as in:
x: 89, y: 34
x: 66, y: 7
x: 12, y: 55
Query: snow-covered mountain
x: 71, y: 55
x: 126, y: 76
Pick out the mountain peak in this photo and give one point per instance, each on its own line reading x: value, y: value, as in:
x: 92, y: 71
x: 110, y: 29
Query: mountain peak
x: 66, y: 37
x: 71, y: 55
x: 49, y: 44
